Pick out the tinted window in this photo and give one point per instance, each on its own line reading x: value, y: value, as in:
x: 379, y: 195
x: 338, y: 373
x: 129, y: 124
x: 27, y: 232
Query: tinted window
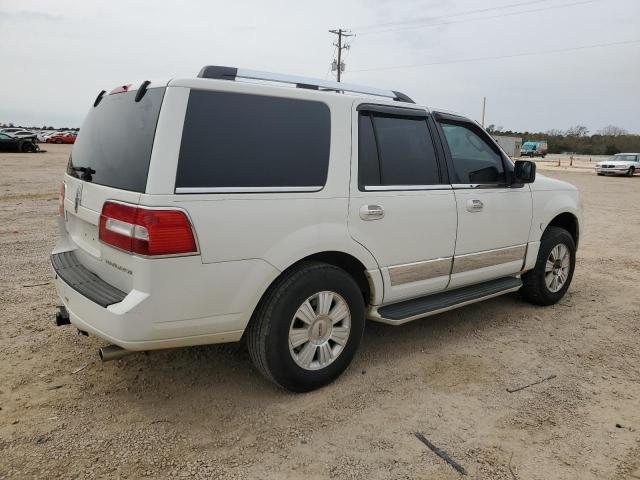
x: 405, y: 152
x: 368, y: 163
x: 116, y: 140
x: 237, y: 140
x: 474, y: 159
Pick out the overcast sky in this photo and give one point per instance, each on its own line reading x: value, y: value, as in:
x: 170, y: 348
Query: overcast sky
x: 56, y: 56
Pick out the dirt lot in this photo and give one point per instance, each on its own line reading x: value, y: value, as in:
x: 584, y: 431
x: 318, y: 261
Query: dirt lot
x: 206, y: 413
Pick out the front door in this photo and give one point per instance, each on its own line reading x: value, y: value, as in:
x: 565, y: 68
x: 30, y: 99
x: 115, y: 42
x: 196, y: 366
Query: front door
x: 402, y: 207
x: 494, y: 217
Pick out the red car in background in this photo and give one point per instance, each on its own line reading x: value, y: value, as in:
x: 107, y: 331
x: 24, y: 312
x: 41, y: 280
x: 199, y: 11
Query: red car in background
x: 65, y: 137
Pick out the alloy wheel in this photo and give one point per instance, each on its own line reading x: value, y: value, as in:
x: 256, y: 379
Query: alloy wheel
x: 319, y: 330
x: 557, y: 268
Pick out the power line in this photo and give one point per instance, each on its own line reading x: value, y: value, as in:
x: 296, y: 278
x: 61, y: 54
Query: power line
x: 468, y: 12
x: 489, y: 17
x: 499, y: 57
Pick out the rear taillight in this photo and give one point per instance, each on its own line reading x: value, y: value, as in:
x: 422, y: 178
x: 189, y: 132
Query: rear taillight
x: 146, y: 231
x: 63, y: 190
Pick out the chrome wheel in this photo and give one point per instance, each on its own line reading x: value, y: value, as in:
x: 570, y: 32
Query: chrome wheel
x: 557, y: 268
x: 319, y: 330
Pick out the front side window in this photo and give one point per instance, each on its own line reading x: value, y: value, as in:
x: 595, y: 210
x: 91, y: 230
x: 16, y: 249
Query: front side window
x: 242, y: 142
x: 475, y: 161
x: 395, y: 151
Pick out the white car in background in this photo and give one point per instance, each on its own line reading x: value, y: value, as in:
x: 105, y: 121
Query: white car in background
x: 24, y: 134
x: 42, y: 136
x: 620, y: 164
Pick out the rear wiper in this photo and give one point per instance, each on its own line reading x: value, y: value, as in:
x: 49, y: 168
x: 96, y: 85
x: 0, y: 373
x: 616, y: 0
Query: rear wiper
x: 86, y: 172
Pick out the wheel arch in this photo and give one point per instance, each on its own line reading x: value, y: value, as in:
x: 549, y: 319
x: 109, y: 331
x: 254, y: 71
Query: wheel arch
x: 369, y: 282
x: 569, y: 222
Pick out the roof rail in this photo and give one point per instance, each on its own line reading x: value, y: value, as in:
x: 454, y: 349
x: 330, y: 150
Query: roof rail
x: 231, y: 73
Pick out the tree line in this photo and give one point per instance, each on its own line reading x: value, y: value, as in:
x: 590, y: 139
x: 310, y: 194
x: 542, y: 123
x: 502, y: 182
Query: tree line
x: 577, y: 139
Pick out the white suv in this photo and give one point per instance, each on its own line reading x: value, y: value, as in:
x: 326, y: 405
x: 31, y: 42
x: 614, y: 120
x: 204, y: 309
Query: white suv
x: 286, y: 211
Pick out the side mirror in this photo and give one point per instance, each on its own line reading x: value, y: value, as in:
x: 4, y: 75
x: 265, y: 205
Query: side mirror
x: 524, y: 172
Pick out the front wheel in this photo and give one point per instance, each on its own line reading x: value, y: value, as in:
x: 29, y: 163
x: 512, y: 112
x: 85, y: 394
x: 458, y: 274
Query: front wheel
x: 549, y: 280
x: 631, y: 171
x: 308, y: 327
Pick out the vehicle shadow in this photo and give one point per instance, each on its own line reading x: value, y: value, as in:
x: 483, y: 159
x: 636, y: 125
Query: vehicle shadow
x: 223, y: 377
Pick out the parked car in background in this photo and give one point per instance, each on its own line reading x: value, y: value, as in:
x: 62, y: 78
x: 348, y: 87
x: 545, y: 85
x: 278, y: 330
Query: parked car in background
x: 10, y: 129
x: 187, y: 222
x: 64, y: 137
x: 533, y: 149
x: 620, y: 164
x: 43, y: 135
x: 25, y: 134
x: 9, y: 143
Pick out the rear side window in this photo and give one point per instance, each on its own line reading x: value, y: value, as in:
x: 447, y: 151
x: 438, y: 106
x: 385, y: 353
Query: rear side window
x: 236, y: 142
x: 395, y: 151
x: 475, y: 161
x: 116, y: 139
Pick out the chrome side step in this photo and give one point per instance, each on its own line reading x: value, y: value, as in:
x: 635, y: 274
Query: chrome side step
x: 403, y: 312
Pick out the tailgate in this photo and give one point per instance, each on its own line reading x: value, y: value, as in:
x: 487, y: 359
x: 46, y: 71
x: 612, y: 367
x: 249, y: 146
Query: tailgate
x: 82, y: 207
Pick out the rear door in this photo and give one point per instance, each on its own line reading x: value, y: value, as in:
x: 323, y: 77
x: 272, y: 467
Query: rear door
x: 494, y: 217
x: 401, y: 208
x: 109, y: 161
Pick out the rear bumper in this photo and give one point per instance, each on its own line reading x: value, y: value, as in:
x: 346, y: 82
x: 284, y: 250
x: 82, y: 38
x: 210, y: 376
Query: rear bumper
x: 75, y: 275
x: 192, y: 304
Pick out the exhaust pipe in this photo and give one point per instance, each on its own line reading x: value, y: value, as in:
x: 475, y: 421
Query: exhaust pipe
x: 112, y: 352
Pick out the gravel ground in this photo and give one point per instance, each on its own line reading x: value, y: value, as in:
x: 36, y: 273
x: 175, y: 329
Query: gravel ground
x: 205, y: 412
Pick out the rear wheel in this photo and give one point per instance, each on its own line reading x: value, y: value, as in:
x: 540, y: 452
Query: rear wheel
x: 58, y: 141
x: 549, y: 280
x: 631, y: 171
x: 308, y: 327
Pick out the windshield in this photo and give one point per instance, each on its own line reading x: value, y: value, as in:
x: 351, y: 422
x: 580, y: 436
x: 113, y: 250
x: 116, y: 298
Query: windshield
x: 114, y: 145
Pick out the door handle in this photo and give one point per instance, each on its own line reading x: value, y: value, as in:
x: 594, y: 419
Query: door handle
x: 474, y: 205
x: 371, y: 212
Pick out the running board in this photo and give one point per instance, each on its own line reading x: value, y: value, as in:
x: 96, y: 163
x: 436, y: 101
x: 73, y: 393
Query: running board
x: 403, y: 312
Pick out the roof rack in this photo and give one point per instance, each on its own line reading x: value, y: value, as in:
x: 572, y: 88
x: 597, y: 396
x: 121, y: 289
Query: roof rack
x: 230, y: 73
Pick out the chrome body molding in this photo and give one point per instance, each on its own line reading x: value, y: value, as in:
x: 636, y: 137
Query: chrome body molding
x: 246, y: 189
x: 394, y: 188
x: 374, y: 315
x: 417, y: 271
x: 488, y: 258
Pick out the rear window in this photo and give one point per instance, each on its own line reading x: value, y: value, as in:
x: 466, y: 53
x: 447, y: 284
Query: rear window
x: 395, y: 151
x: 116, y: 139
x: 242, y: 142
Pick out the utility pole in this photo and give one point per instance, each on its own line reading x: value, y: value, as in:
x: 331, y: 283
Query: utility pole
x: 484, y: 108
x: 339, y: 66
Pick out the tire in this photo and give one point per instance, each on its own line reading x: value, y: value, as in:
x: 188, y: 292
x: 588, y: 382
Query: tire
x: 27, y: 147
x: 600, y: 174
x: 535, y: 288
x: 277, y: 315
x: 631, y: 171
x: 58, y: 141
